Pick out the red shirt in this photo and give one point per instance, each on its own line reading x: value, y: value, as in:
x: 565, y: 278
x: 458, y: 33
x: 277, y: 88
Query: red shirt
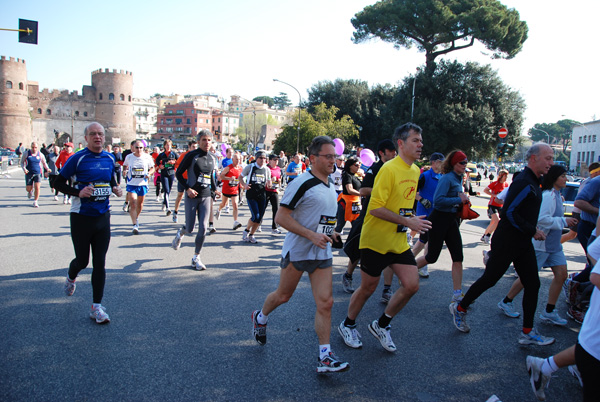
x: 496, y: 188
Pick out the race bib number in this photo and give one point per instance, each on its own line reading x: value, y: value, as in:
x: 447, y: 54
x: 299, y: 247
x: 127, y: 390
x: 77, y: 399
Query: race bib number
x: 356, y: 208
x: 137, y: 173
x: 259, y: 179
x: 204, y: 180
x: 406, y: 213
x: 101, y: 192
x: 337, y: 181
x: 233, y: 182
x: 169, y: 168
x: 326, y: 225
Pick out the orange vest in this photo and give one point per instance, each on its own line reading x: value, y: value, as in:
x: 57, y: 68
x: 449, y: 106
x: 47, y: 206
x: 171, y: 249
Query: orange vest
x: 351, y: 205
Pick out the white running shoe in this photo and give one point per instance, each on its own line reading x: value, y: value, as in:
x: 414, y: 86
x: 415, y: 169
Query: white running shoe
x: 538, y: 380
x: 69, y: 201
x: 350, y: 335
x: 218, y: 214
x: 251, y: 239
x: 259, y: 228
x: 424, y: 272
x: 177, y: 240
x: 35, y: 204
x: 55, y: 198
x: 136, y: 229
x: 197, y: 264
x: 245, y: 236
x: 275, y: 231
x: 236, y: 225
x: 70, y: 286
x: 383, y: 334
x: 99, y: 314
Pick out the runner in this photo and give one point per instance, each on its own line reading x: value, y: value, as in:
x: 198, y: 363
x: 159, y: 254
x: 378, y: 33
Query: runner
x: 192, y: 145
x: 200, y: 166
x: 230, y: 176
x: 259, y: 178
x: 65, y: 154
x: 166, y: 162
x: 92, y: 173
x: 33, y: 161
x: 138, y: 168
x: 494, y: 205
x: 511, y: 242
x: 52, y: 158
x: 154, y: 154
x: 386, y: 152
x: 383, y: 240
x: 307, y: 211
x: 294, y: 169
x: 273, y: 191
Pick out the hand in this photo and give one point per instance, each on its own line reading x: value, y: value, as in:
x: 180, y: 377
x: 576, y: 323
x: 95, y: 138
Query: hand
x: 86, y: 192
x: 320, y: 240
x: 117, y: 190
x: 191, y: 193
x: 336, y: 237
x: 25, y: 170
x: 539, y: 235
x: 418, y: 223
x: 572, y: 222
x: 246, y: 186
x: 463, y: 197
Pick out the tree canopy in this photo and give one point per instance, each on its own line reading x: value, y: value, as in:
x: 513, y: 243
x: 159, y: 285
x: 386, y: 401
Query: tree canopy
x: 559, y: 132
x: 437, y: 27
x: 282, y: 101
x: 267, y: 100
x: 321, y: 121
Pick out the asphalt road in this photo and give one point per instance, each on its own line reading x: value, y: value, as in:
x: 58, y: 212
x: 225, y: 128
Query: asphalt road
x: 178, y: 334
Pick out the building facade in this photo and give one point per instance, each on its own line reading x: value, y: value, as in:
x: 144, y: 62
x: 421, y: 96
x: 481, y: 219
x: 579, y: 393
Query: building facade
x: 28, y: 114
x: 585, y: 146
x: 146, y: 116
x: 183, y: 121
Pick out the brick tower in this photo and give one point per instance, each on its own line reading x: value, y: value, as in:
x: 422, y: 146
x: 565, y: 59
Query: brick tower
x: 15, y: 121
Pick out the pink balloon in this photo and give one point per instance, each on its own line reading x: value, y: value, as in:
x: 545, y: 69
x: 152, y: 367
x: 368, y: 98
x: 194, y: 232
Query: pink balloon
x: 224, y: 150
x: 144, y: 143
x: 339, y: 146
x: 367, y: 157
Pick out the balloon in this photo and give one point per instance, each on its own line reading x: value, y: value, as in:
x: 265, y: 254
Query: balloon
x: 367, y: 157
x: 144, y: 143
x: 224, y: 149
x: 339, y: 146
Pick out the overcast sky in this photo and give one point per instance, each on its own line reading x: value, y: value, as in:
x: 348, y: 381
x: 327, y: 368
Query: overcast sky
x: 231, y: 47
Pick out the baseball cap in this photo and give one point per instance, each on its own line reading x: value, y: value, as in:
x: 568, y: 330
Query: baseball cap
x: 69, y: 144
x: 436, y: 156
x: 260, y: 154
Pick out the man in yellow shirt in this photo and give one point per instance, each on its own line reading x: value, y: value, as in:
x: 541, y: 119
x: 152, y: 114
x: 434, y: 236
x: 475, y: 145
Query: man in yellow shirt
x: 383, y: 239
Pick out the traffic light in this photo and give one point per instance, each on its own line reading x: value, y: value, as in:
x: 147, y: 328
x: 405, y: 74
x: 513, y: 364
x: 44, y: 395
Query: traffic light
x: 502, y: 150
x: 499, y: 150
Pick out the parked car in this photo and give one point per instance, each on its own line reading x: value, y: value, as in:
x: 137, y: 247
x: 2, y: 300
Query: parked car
x: 569, y: 193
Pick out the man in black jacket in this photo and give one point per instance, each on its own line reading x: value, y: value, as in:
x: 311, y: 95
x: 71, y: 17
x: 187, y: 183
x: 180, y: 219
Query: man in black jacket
x: 200, y: 165
x: 511, y: 243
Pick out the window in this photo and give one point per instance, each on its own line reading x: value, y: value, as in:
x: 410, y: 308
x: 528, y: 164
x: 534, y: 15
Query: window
x: 169, y: 121
x: 579, y: 154
x: 178, y: 121
x: 77, y: 113
x: 129, y: 98
x: 580, y: 140
x: 189, y: 121
x: 219, y: 119
x: 48, y: 111
x: 39, y: 111
x: 8, y: 84
x: 592, y: 157
x: 20, y: 85
x: 170, y: 111
x: 584, y: 138
x: 84, y: 114
x: 100, y: 98
x: 122, y: 97
x: 594, y: 138
x: 111, y: 96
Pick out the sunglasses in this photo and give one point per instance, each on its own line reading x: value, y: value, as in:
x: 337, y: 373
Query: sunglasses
x: 464, y: 163
x: 139, y: 147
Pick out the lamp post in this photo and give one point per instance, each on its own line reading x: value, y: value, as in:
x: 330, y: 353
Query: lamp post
x: 534, y: 128
x: 299, y: 102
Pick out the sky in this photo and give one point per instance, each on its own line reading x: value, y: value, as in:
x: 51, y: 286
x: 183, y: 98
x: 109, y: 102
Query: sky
x: 238, y: 47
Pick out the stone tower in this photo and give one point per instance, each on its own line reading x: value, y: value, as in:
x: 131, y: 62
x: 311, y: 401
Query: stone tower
x: 114, y: 108
x: 15, y: 121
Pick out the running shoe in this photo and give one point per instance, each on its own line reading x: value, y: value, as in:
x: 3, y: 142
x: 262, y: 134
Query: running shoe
x: 227, y: 209
x: 259, y: 331
x: 553, y: 318
x: 197, y: 264
x: 508, y: 309
x: 30, y: 194
x: 424, y: 272
x: 55, y: 198
x: 35, y: 204
x: 576, y: 314
x: 236, y: 225
x: 245, y: 235
x: 99, y: 314
x: 175, y: 216
x: 218, y: 214
x: 70, y: 286
x: 350, y: 335
x: 383, y: 334
x: 347, y: 283
x: 125, y: 207
x: 459, y: 318
x: 177, y: 240
x: 276, y: 231
x: 157, y: 199
x: 457, y: 298
x: 168, y: 212
x: 251, y: 239
x: 534, y: 338
x: 386, y: 295
x: 486, y: 256
x: 575, y: 371
x: 486, y: 238
x: 136, y: 229
x: 65, y: 200
x: 331, y: 363
x: 211, y: 229
x: 69, y: 201
x: 537, y: 379
x: 259, y: 228
x: 163, y: 207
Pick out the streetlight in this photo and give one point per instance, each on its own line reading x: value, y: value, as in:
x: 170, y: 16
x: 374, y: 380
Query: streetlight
x: 299, y: 102
x: 534, y: 128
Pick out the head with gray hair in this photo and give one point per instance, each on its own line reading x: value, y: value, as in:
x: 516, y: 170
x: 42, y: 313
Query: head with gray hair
x: 536, y: 149
x: 93, y: 124
x: 318, y: 142
x: 403, y: 132
x: 204, y: 133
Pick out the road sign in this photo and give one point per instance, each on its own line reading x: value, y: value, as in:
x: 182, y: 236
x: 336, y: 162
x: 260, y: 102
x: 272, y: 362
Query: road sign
x: 502, y: 133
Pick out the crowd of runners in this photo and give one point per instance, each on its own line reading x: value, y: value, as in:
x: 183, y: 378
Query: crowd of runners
x: 395, y: 209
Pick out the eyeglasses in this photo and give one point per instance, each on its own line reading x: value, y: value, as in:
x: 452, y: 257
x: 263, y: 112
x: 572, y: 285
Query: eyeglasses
x: 261, y: 157
x: 464, y: 163
x: 329, y: 157
x: 139, y: 147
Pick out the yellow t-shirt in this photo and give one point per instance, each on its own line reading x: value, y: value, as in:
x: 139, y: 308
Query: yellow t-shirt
x: 395, y: 188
